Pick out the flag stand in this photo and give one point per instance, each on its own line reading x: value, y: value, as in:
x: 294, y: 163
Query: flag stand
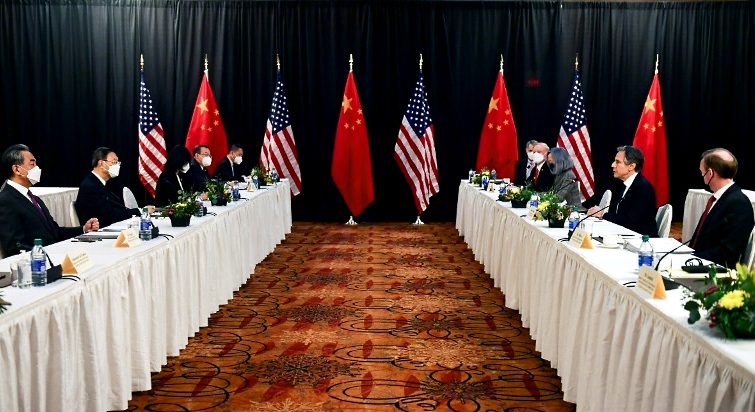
x: 351, y: 221
x: 418, y: 221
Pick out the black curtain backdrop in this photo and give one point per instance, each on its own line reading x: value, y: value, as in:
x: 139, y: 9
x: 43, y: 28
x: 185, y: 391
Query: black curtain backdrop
x: 70, y: 80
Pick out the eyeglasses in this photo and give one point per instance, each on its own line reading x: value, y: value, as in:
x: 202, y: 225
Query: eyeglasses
x: 112, y: 162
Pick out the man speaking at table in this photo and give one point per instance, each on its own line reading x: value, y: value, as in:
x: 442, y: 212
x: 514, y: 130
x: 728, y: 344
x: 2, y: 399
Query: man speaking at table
x: 724, y: 228
x: 23, y: 216
x: 96, y: 199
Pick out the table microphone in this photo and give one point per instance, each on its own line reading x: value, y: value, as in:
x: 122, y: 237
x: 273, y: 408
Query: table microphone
x: 658, y: 263
x: 588, y: 215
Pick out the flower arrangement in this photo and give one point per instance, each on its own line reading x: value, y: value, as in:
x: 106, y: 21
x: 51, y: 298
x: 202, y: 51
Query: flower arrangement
x: 3, y: 304
x: 517, y: 194
x: 551, y: 209
x: 262, y: 174
x: 729, y: 301
x: 185, y: 206
x: 218, y: 191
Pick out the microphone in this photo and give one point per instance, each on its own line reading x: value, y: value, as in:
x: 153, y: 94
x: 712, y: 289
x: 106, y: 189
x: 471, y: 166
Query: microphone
x: 586, y: 216
x: 658, y: 263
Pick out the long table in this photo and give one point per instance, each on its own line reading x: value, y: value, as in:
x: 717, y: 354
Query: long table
x: 614, y: 349
x: 86, y: 345
x: 58, y: 201
x: 694, y: 206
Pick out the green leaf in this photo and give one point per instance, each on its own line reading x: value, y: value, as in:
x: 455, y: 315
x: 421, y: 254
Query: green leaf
x: 691, y: 305
x: 694, y: 316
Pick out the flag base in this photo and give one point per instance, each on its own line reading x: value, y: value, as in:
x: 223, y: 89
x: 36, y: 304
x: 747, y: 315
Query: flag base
x: 351, y: 221
x: 418, y: 221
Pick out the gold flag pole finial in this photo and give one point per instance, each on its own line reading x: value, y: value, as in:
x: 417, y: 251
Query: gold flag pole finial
x: 656, y: 63
x: 576, y: 62
x: 501, y: 62
x: 351, y: 63
x: 278, y: 61
x: 141, y: 61
x: 420, y: 62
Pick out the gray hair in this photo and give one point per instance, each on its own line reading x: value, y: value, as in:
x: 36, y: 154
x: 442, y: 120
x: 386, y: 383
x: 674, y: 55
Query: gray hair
x: 634, y: 155
x: 12, y: 157
x: 532, y: 142
x: 561, y: 160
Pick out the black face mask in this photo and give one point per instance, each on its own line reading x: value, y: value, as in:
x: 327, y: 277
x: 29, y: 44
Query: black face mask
x: 707, y: 184
x: 552, y: 167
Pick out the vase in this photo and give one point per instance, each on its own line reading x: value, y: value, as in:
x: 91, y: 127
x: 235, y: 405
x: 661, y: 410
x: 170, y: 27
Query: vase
x: 556, y: 223
x: 182, y: 221
x: 519, y: 204
x: 218, y: 200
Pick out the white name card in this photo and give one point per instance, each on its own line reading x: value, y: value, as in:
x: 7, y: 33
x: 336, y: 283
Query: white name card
x: 128, y: 238
x: 76, y: 261
x: 532, y: 214
x: 581, y: 239
x: 651, y: 283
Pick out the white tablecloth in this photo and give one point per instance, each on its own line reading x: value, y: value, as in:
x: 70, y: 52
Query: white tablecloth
x: 614, y: 350
x: 86, y: 345
x: 694, y: 206
x: 58, y: 200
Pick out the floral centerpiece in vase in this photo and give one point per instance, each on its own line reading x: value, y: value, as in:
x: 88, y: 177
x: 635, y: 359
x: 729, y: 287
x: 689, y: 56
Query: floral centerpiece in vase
x: 182, y: 210
x: 263, y: 175
x: 518, y: 196
x: 218, y: 191
x: 552, y: 210
x: 729, y: 302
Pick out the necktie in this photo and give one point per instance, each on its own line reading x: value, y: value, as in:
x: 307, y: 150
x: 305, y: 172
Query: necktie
x: 702, y: 218
x: 34, y: 201
x: 537, y: 174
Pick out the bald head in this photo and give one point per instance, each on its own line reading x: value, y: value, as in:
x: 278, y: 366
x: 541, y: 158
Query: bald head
x: 721, y: 161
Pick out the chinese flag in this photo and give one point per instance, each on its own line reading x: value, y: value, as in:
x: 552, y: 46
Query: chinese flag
x: 206, y: 126
x: 351, y: 168
x: 651, y: 139
x: 498, y: 148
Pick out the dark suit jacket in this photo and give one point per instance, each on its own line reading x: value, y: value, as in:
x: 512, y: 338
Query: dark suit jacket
x: 725, y: 232
x: 226, y: 171
x: 166, y: 190
x: 97, y: 200
x: 544, y: 180
x: 21, y: 223
x: 520, y: 171
x: 636, y: 211
x: 196, y: 177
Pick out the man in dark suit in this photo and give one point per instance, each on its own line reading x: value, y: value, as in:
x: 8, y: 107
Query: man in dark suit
x: 541, y: 178
x: 230, y: 167
x: 724, y: 228
x: 524, y: 166
x: 633, y: 200
x: 95, y: 198
x: 23, y: 216
x: 198, y: 175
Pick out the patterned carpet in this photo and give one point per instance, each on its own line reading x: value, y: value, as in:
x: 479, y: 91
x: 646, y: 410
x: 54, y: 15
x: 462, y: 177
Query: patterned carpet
x: 375, y: 317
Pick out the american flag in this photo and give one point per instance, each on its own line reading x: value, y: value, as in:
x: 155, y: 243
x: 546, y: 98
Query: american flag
x: 279, y: 147
x: 415, y: 148
x: 152, y: 152
x: 574, y: 138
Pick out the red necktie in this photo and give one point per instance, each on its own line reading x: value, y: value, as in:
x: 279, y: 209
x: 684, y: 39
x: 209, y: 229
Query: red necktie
x: 702, y: 218
x: 34, y: 201
x: 537, y: 174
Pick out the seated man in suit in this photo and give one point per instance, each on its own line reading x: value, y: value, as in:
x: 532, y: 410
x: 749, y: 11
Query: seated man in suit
x: 23, y: 216
x: 541, y: 178
x: 198, y: 175
x: 524, y: 166
x: 633, y: 197
x: 724, y: 228
x: 95, y: 198
x: 226, y: 170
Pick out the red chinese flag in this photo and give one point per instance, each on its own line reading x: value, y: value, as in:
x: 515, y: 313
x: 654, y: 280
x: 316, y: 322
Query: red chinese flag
x: 651, y: 139
x: 498, y: 148
x: 352, y: 168
x: 206, y: 126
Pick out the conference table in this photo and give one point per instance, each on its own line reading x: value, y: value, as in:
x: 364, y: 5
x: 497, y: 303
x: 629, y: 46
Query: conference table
x: 694, y: 205
x: 58, y: 201
x: 614, y: 349
x: 86, y: 345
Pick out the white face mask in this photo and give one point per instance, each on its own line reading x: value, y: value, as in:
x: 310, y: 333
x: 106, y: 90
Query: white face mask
x: 537, y: 158
x: 530, y: 155
x: 185, y: 168
x: 206, y: 161
x: 114, y: 170
x: 237, y: 160
x: 34, y: 174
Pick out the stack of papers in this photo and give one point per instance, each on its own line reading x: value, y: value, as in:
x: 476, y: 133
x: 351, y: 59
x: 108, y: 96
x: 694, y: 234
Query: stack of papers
x: 660, y: 245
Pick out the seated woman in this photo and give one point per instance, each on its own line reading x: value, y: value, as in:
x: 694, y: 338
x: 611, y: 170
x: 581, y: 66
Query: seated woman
x: 565, y: 184
x: 172, y: 178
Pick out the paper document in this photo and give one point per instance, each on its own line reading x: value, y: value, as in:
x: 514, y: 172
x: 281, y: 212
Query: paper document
x: 660, y: 245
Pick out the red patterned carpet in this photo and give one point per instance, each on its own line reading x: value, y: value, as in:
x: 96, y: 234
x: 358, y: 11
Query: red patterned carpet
x: 376, y: 317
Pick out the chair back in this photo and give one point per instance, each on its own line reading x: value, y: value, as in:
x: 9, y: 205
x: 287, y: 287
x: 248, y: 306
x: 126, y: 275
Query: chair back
x: 605, y: 200
x: 663, y: 220
x: 72, y: 213
x: 749, y: 257
x: 129, y: 199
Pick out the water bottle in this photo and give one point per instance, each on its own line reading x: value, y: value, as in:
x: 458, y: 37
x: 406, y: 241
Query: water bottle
x: 256, y: 181
x: 573, y: 220
x: 200, y: 206
x: 38, y: 264
x: 492, y: 174
x: 145, y: 226
x: 274, y: 175
x: 471, y: 175
x: 235, y: 191
x: 645, y: 253
x: 24, y: 271
x: 534, y: 201
x: 485, y: 182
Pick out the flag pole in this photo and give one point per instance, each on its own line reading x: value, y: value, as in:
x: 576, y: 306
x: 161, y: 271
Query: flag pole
x: 206, y: 70
x: 576, y: 62
x: 501, y: 63
x: 278, y: 61
x: 419, y: 221
x: 656, y: 63
x: 141, y: 62
x: 351, y: 66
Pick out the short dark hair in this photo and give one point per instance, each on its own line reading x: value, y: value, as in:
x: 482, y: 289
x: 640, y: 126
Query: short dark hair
x: 234, y: 147
x: 198, y: 148
x: 632, y: 154
x: 12, y: 156
x: 100, y: 153
x: 177, y: 158
x: 712, y: 159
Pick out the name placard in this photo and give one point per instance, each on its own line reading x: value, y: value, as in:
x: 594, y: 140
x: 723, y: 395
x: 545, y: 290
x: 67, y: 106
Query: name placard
x: 531, y: 214
x: 128, y: 238
x: 581, y: 239
x: 651, y: 283
x: 76, y: 261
